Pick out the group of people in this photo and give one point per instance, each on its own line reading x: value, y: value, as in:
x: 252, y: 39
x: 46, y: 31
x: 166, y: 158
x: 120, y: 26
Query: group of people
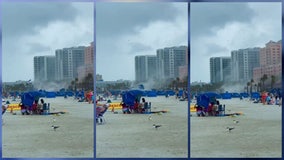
x: 36, y: 109
x: 137, y: 107
x: 271, y: 99
x: 183, y: 97
x: 213, y: 109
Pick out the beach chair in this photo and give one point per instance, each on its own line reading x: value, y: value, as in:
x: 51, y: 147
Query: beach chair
x: 221, y: 110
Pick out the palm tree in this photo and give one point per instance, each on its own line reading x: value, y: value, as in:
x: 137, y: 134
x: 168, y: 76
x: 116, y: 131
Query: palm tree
x: 72, y: 84
x: 258, y: 86
x: 264, y: 78
x: 248, y: 84
x: 178, y: 81
x: 251, y: 84
x: 76, y: 83
x: 273, y: 80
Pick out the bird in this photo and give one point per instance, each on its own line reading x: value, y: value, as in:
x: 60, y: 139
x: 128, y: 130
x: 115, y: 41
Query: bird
x: 235, y: 121
x: 54, y: 127
x: 230, y: 128
x: 156, y: 126
x: 150, y: 118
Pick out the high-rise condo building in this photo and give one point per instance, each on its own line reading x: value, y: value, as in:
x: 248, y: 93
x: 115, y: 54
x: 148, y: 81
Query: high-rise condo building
x: 67, y: 62
x: 243, y: 61
x: 220, y: 69
x: 44, y: 68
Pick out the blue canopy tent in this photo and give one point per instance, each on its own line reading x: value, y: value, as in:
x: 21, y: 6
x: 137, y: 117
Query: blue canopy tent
x: 28, y: 98
x: 129, y: 97
x: 203, y: 100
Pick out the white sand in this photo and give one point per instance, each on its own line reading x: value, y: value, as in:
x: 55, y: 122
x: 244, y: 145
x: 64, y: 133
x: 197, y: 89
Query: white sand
x: 31, y: 136
x: 133, y: 135
x: 257, y: 135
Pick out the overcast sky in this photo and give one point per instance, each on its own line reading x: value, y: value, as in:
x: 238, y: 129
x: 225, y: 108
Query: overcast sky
x: 218, y: 28
x: 124, y: 30
x: 39, y: 28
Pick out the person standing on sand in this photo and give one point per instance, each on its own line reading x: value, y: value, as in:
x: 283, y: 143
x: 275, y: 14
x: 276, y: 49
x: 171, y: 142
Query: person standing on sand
x: 5, y: 106
x: 210, y: 109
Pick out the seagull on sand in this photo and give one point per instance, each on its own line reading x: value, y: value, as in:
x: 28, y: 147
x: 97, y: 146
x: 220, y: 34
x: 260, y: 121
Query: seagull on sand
x: 156, y: 126
x: 230, y: 128
x: 54, y: 127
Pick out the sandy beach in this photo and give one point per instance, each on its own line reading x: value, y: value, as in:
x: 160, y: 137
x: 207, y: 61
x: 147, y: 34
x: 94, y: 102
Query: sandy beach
x: 31, y: 136
x: 258, y: 133
x: 133, y: 135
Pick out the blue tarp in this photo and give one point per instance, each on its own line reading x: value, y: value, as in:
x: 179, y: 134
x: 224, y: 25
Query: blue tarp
x: 80, y: 94
x: 180, y: 93
x: 170, y: 92
x: 276, y: 91
x: 115, y: 92
x: 69, y: 93
x: 161, y: 93
x: 255, y: 95
x: 226, y: 95
x: 129, y: 97
x: 151, y: 93
x: 60, y: 94
x: 50, y: 94
x: 235, y: 95
x: 245, y: 95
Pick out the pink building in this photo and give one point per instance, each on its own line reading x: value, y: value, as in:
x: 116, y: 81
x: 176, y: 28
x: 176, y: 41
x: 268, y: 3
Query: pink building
x: 83, y: 71
x: 183, y: 70
x: 270, y: 61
